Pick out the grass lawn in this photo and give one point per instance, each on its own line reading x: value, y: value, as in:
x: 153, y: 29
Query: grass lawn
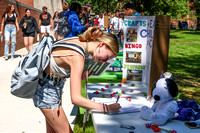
x: 183, y: 63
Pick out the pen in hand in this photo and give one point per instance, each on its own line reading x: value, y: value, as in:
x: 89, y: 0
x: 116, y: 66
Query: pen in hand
x: 117, y: 98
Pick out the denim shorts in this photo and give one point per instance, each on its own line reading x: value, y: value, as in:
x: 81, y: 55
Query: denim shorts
x: 49, y: 92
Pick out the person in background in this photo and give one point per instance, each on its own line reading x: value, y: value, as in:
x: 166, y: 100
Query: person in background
x: 89, y: 8
x: 29, y: 26
x: 73, y: 20
x: 65, y: 8
x: 55, y: 20
x: 121, y: 29
x: 111, y: 17
x: 129, y: 11
x: 179, y: 25
x: 83, y: 18
x: 96, y: 20
x: 115, y: 23
x: 45, y: 22
x: 70, y: 62
x: 10, y: 27
x: 61, y: 14
x: 101, y: 20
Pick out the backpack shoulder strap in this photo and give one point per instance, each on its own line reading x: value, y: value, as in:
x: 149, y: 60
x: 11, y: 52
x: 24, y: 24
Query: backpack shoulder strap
x: 6, y: 15
x: 15, y: 15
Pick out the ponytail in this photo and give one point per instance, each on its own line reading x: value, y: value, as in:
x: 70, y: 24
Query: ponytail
x: 91, y: 34
x: 95, y: 34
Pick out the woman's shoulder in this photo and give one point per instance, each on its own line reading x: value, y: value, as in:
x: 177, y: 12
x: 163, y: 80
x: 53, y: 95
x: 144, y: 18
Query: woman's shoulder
x: 15, y: 14
x: 33, y: 18
x: 71, y: 45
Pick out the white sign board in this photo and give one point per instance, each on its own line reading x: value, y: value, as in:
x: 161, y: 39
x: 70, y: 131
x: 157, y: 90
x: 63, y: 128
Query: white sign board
x: 137, y: 50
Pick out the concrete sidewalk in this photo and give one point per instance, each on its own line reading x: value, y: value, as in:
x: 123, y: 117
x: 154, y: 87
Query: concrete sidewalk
x: 20, y: 115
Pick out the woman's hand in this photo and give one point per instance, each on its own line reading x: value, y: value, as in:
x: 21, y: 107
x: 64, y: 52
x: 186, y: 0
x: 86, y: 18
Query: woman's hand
x: 87, y: 25
x: 114, y: 108
x: 84, y: 74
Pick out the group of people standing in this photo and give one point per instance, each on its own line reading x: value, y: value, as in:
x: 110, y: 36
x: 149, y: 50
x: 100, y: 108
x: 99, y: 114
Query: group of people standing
x: 65, y: 62
x: 78, y: 19
x: 10, y: 27
x: 116, y: 21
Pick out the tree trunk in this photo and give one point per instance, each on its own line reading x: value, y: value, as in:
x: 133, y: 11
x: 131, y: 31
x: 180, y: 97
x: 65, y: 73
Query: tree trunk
x: 198, y: 23
x: 198, y: 18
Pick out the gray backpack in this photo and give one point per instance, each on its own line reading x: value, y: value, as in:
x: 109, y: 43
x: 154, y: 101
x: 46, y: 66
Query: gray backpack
x: 24, y: 81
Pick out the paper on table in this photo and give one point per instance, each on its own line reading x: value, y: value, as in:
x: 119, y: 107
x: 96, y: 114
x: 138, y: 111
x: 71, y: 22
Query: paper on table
x: 126, y: 106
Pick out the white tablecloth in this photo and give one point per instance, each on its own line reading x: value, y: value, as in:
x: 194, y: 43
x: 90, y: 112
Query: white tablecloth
x: 111, y: 123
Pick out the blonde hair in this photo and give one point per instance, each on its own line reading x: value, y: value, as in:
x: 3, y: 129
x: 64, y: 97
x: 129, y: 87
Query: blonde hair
x: 95, y: 34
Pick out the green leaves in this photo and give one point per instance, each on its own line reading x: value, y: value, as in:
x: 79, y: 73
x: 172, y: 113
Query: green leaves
x: 148, y: 7
x: 165, y: 7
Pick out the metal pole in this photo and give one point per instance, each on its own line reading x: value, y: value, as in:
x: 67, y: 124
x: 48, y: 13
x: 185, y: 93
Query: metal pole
x: 107, y: 7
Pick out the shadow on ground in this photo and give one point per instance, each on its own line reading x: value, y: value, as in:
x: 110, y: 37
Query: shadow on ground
x: 186, y: 71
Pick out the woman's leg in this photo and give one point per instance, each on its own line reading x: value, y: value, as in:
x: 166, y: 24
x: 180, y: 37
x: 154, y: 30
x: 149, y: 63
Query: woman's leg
x: 49, y: 128
x: 57, y: 120
x: 26, y: 43
x: 7, y: 41
x: 30, y: 39
x: 55, y: 35
x: 13, y: 40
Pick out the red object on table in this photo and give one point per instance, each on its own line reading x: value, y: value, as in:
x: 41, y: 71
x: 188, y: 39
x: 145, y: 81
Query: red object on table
x: 102, y: 89
x: 120, y: 85
x: 155, y: 128
x: 97, y: 92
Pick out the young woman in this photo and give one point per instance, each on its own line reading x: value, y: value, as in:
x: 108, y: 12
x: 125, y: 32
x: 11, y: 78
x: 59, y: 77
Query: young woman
x: 102, y: 47
x: 29, y: 26
x: 55, y: 20
x: 11, y: 27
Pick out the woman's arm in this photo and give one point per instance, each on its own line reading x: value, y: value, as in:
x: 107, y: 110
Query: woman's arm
x: 17, y: 24
x: 39, y: 23
x: 51, y: 23
x: 2, y: 24
x: 77, y: 65
x: 36, y: 25
x: 21, y: 23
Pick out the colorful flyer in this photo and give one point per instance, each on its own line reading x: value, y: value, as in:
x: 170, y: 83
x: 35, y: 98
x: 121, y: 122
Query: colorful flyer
x: 137, y: 50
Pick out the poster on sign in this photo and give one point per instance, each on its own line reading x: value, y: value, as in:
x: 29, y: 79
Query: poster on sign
x: 137, y: 50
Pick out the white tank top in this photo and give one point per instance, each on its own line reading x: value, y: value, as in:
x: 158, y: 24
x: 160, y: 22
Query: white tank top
x: 59, y: 71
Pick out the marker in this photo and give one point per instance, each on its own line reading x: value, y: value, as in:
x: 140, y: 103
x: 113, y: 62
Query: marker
x: 117, y: 98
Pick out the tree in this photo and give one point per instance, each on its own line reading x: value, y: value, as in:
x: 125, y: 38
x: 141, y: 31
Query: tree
x: 100, y: 6
x: 197, y: 6
x: 162, y: 7
x: 148, y: 7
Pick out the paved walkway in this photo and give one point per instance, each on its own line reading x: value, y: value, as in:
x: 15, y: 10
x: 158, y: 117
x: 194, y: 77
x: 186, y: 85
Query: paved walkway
x: 18, y: 115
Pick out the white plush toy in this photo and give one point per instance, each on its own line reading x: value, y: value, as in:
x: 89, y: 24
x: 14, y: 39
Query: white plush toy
x: 165, y: 107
